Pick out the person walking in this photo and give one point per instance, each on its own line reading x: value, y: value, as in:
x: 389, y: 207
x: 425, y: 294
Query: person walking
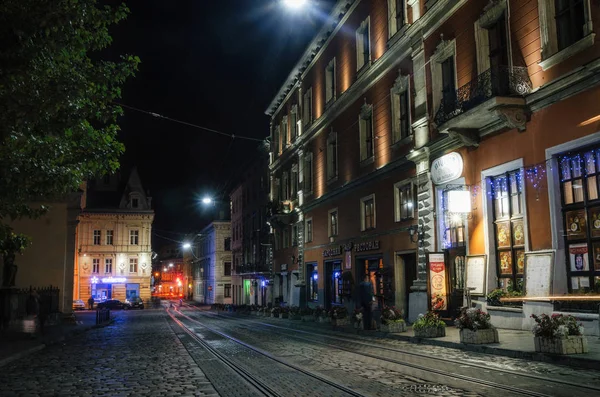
x: 365, y: 293
x: 91, y: 303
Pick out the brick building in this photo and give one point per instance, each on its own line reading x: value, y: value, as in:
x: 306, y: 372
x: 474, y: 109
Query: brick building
x: 462, y: 128
x: 250, y: 234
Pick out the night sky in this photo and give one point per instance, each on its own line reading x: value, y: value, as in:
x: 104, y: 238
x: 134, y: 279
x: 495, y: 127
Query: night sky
x: 216, y: 64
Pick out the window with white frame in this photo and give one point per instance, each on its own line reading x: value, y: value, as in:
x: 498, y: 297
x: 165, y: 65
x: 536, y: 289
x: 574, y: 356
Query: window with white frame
x: 285, y: 136
x: 396, y: 16
x: 443, y: 76
x: 134, y: 237
x: 97, y: 237
x: 367, y: 212
x: 363, y: 45
x: 330, y: 75
x: 565, y: 29
x: 108, y: 265
x: 332, y: 156
x: 308, y: 173
x: 333, y: 222
x: 133, y: 265
x: 400, y: 109
x: 294, y: 184
x: 95, y: 265
x: 404, y: 201
x: 294, y: 123
x: 309, y: 230
x: 366, y: 132
x: 307, y: 108
x: 109, y: 237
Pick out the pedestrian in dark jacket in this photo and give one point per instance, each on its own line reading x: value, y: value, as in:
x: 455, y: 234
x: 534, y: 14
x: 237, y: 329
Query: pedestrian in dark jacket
x: 365, y: 292
x: 91, y: 303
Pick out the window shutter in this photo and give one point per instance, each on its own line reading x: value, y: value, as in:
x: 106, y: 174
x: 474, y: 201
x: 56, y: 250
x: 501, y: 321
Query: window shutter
x: 482, y: 46
x: 393, y: 28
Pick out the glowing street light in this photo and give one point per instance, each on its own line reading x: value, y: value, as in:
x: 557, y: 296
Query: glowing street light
x: 295, y: 4
x: 207, y: 200
x: 187, y: 246
x: 170, y: 265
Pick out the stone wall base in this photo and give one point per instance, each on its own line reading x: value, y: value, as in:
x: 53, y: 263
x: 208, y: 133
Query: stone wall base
x: 393, y: 327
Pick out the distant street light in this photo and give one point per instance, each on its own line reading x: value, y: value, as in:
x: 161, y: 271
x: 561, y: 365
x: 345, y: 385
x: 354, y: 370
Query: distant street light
x: 207, y: 200
x: 187, y: 246
x: 295, y: 4
x: 170, y: 265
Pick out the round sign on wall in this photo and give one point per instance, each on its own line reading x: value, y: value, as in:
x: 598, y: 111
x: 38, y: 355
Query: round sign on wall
x: 446, y: 168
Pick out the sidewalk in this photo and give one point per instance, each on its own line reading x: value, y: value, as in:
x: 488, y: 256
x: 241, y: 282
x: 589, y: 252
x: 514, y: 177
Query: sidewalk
x: 513, y: 343
x: 15, y: 345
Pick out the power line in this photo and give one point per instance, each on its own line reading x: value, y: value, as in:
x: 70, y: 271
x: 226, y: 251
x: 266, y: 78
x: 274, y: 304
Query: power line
x: 160, y: 116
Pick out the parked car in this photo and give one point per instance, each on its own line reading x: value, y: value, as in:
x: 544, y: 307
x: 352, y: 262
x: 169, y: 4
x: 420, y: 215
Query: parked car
x: 134, y: 303
x: 78, y: 304
x: 112, y: 304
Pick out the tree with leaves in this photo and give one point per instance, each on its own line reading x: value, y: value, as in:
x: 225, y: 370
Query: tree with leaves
x: 57, y: 111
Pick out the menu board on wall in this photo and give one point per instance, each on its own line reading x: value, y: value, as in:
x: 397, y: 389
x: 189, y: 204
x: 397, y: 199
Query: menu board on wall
x: 476, y: 266
x: 539, y: 267
x: 437, y: 282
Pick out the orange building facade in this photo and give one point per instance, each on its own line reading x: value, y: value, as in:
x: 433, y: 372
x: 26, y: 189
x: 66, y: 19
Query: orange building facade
x: 442, y: 148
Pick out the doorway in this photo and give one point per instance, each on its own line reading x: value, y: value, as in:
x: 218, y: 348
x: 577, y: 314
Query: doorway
x: 333, y: 283
x: 405, y: 272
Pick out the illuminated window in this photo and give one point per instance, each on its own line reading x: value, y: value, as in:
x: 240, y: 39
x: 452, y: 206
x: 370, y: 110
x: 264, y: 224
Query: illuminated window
x: 404, y: 199
x: 313, y: 282
x: 109, y: 237
x: 333, y: 223
x: 108, y: 265
x: 96, y: 265
x: 332, y: 156
x: 330, y: 82
x: 363, y: 45
x: 134, y: 237
x: 366, y: 133
x: 97, y: 237
x: 133, y: 265
x: 367, y: 212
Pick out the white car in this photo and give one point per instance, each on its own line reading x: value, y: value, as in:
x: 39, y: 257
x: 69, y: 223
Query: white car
x: 78, y: 304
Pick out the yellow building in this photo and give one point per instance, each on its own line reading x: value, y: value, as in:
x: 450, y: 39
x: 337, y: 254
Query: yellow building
x: 113, y: 258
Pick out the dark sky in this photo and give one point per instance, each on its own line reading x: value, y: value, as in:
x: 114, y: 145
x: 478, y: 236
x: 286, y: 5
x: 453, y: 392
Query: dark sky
x: 214, y: 63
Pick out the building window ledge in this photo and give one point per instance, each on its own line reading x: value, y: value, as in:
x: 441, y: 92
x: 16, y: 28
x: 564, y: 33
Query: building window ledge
x: 396, y: 37
x: 402, y: 142
x: 332, y: 180
x: 568, y: 52
x: 368, y: 161
x: 364, y: 69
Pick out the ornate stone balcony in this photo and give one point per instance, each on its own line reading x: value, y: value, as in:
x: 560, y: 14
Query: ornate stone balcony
x: 492, y: 101
x: 281, y: 213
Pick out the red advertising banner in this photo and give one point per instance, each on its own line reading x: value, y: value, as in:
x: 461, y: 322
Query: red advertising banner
x: 438, y: 295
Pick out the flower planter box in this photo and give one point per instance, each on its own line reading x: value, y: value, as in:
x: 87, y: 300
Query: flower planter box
x: 568, y: 345
x: 308, y: 318
x: 399, y: 326
x: 339, y: 322
x: 323, y: 319
x: 481, y: 336
x: 431, y: 332
x: 295, y: 317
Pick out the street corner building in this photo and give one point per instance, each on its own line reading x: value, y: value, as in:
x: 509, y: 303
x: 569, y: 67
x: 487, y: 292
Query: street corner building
x: 446, y: 149
x: 113, y: 258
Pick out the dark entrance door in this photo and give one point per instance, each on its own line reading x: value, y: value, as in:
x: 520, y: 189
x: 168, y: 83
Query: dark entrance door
x: 405, y: 273
x: 333, y: 283
x: 455, y: 263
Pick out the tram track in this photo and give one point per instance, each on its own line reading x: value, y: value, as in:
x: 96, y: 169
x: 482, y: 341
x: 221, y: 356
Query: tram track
x: 290, y: 332
x: 245, y: 374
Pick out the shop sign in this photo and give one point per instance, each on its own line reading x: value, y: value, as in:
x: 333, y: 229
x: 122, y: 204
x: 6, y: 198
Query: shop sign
x: 367, y: 246
x: 335, y: 251
x: 437, y: 282
x: 109, y: 280
x: 284, y: 267
x: 446, y: 168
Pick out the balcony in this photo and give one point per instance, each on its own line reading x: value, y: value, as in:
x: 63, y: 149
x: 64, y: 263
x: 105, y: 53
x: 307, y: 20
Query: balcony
x: 281, y: 213
x: 252, y: 269
x: 493, y: 101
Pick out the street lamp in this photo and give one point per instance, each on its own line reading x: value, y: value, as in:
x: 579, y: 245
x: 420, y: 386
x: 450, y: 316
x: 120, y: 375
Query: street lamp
x: 295, y: 4
x: 187, y: 246
x: 207, y: 200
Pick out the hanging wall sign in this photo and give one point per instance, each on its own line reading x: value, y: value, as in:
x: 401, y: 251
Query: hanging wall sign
x: 437, y: 282
x: 335, y: 251
x: 446, y: 168
x: 367, y: 246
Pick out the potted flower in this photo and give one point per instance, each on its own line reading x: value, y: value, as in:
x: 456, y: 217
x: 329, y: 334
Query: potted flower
x: 429, y: 325
x: 275, y: 311
x: 294, y: 313
x: 307, y: 314
x: 475, y: 327
x: 338, y: 316
x: 391, y: 320
x: 558, y: 334
x: 357, y: 319
x: 321, y: 315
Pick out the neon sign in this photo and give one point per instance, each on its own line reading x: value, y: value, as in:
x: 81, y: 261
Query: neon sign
x: 109, y: 280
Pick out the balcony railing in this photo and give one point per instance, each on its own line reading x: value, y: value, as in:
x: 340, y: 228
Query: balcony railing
x: 501, y: 81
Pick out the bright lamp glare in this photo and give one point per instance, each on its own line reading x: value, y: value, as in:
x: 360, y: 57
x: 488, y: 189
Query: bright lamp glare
x: 294, y: 3
x: 187, y: 246
x: 206, y: 200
